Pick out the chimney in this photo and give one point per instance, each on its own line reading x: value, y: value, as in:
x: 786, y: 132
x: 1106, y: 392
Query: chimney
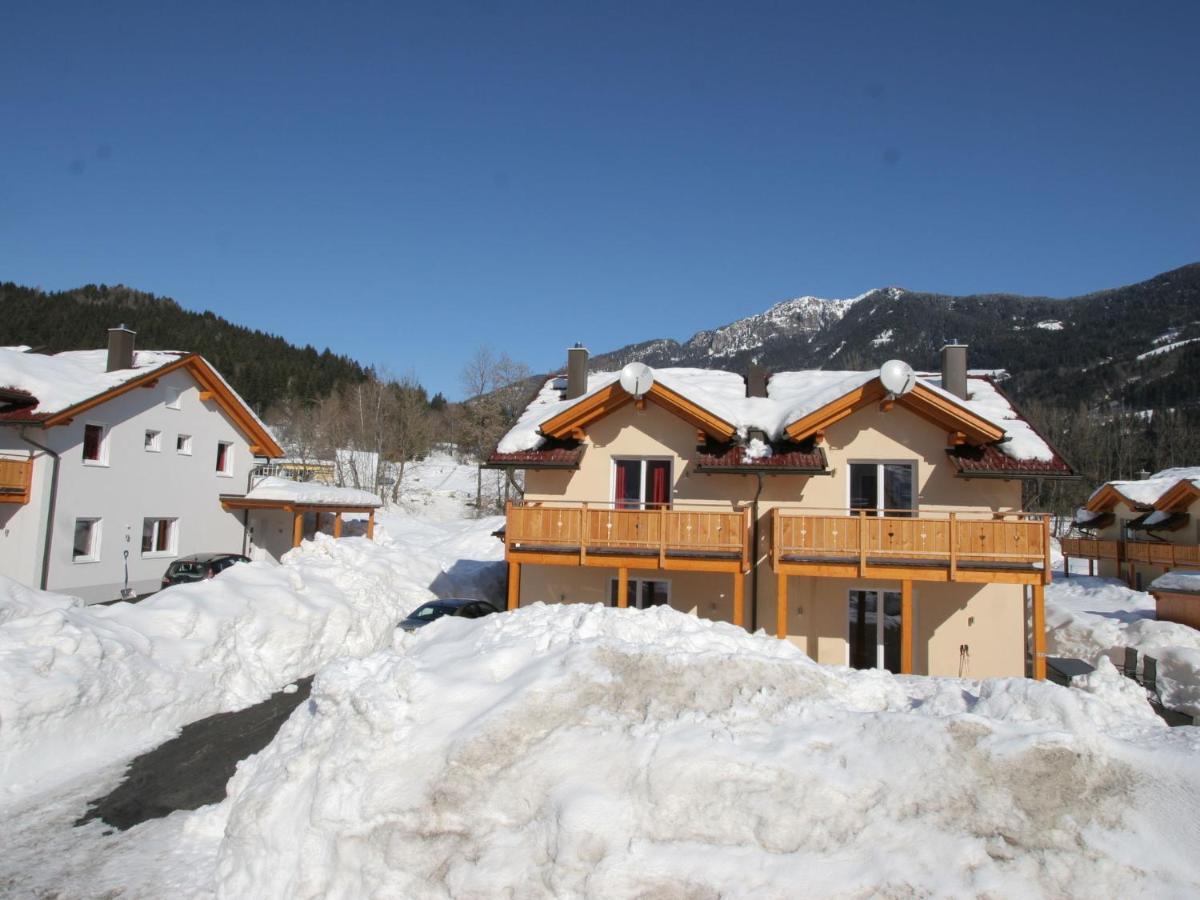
x: 577, y: 372
x: 954, y: 369
x: 120, y: 348
x: 756, y: 381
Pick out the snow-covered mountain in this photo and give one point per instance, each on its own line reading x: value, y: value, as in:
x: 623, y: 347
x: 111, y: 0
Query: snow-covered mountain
x: 1138, y: 344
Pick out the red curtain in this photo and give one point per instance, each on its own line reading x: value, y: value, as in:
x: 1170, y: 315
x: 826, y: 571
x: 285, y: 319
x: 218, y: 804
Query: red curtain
x: 620, y: 486
x: 658, y: 484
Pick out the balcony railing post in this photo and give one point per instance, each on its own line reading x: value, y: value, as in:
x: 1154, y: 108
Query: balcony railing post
x: 776, y: 539
x: 862, y: 543
x: 508, y: 528
x: 953, y: 546
x: 662, y: 536
x: 1045, y: 549
x: 583, y: 534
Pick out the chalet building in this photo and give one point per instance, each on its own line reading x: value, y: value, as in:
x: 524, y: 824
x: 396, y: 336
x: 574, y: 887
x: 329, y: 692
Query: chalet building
x: 113, y: 463
x: 1137, y: 530
x: 871, y: 528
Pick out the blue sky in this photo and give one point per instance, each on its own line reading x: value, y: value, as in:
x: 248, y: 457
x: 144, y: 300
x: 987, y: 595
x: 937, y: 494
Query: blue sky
x: 405, y: 183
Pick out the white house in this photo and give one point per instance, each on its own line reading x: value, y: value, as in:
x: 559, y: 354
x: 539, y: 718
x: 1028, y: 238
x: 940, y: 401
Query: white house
x: 113, y: 463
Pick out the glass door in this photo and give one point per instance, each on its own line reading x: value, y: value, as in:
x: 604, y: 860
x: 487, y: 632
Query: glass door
x: 873, y: 632
x: 643, y: 593
x: 641, y: 483
x: 882, y: 486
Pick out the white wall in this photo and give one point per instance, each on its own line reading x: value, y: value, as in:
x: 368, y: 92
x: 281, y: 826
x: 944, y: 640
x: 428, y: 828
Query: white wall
x: 134, y: 484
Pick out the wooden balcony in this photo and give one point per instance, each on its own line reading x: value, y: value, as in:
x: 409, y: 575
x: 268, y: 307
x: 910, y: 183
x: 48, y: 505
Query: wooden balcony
x: 15, y: 478
x: 1153, y: 553
x: 598, y: 534
x: 922, y: 545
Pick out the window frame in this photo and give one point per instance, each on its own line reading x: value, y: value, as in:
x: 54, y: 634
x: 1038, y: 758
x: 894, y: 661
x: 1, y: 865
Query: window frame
x: 880, y: 488
x: 153, y: 441
x: 174, y: 398
x: 186, y: 440
x: 102, y: 454
x: 880, y: 614
x: 635, y: 597
x: 227, y: 471
x: 643, y: 503
x: 93, y: 554
x: 172, y: 537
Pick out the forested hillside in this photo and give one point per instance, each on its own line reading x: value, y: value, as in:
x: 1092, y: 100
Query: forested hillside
x: 263, y: 368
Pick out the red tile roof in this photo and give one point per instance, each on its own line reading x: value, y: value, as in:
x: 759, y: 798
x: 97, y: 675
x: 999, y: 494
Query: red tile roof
x: 991, y: 460
x: 546, y: 458
x: 792, y: 461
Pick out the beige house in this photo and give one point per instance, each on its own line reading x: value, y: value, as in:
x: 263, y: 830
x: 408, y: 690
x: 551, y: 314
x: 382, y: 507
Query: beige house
x: 1137, y: 530
x: 871, y: 529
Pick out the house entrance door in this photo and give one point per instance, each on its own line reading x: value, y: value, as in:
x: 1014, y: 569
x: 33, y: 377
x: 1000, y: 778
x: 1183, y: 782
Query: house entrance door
x: 873, y: 632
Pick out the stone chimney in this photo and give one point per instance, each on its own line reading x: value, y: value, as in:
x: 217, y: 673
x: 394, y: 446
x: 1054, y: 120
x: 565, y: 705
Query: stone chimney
x: 120, y: 348
x: 577, y: 372
x: 756, y: 381
x: 954, y: 369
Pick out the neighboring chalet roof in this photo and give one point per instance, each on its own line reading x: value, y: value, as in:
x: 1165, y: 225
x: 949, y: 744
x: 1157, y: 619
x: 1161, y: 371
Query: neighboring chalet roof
x: 1177, y: 581
x: 274, y: 492
x: 799, y: 406
x: 1167, y: 489
x: 49, y: 390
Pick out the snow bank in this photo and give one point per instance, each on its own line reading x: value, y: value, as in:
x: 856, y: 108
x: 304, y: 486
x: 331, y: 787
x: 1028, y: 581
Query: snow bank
x: 576, y: 750
x: 1184, y: 580
x: 1093, y: 618
x: 81, y: 686
x: 17, y: 601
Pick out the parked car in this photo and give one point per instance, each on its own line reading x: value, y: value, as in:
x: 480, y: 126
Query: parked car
x: 199, y: 566
x: 436, y: 609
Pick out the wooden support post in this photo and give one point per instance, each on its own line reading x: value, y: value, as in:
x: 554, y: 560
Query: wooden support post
x: 514, y: 585
x: 1046, y: 574
x: 583, y: 534
x: 371, y: 524
x: 781, y: 606
x: 1066, y: 566
x: 622, y: 588
x: 1039, y: 632
x: 953, y: 546
x: 337, y: 524
x: 906, y: 628
x: 862, y: 543
x: 297, y: 528
x: 739, y: 599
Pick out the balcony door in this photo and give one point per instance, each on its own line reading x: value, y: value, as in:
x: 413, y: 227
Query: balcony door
x: 877, y: 486
x: 643, y: 593
x: 641, y: 483
x: 873, y: 632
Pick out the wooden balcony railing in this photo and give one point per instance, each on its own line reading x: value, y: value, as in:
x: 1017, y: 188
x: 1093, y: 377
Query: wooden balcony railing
x: 1154, y: 553
x: 951, y: 545
x: 602, y: 531
x: 15, y: 476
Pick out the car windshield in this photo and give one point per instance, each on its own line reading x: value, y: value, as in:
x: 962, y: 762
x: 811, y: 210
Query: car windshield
x: 187, y: 567
x: 432, y: 611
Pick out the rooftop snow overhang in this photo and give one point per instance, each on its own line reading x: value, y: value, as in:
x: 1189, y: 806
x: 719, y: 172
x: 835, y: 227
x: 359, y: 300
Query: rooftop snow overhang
x: 1103, y: 520
x: 236, y: 501
x: 571, y: 422
x: 922, y: 400
x: 1178, y: 497
x: 1168, y: 522
x: 1108, y: 496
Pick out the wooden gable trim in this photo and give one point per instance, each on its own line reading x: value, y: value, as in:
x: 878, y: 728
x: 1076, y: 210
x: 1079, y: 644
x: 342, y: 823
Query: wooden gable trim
x: 929, y: 405
x: 1179, y: 497
x: 571, y: 422
x: 208, y: 380
x: 1108, y: 497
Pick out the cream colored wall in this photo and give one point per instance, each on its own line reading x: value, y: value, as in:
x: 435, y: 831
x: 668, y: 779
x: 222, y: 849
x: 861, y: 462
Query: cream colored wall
x: 869, y: 435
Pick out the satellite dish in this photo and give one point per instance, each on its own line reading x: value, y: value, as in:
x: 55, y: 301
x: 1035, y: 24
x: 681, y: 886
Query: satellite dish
x: 897, y: 377
x: 637, y: 378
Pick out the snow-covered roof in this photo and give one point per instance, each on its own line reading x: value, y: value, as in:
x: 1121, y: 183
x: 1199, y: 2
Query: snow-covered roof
x: 62, y: 380
x: 790, y: 396
x: 1184, y: 580
x: 1147, y: 491
x: 308, y: 492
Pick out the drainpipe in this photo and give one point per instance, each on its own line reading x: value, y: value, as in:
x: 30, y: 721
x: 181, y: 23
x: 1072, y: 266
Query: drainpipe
x: 754, y: 569
x: 52, y: 506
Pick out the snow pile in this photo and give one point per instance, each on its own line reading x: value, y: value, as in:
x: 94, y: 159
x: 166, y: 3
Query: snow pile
x: 1184, y: 580
x: 65, y: 379
x: 576, y: 750
x: 18, y: 601
x: 276, y: 488
x: 985, y: 400
x: 82, y: 686
x: 1094, y: 618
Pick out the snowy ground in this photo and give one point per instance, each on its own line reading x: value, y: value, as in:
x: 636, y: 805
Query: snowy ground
x: 565, y: 751
x: 441, y: 488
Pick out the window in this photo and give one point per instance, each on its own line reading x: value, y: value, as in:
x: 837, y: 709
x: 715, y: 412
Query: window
x: 642, y: 483
x: 87, y: 541
x: 158, y: 536
x: 153, y: 440
x: 95, y: 445
x: 882, y: 487
x: 643, y: 593
x: 224, y: 458
x: 873, y: 634
x: 173, y: 395
x: 183, y: 444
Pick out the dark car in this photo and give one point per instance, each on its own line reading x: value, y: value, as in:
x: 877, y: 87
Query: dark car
x: 199, y: 566
x: 436, y: 609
